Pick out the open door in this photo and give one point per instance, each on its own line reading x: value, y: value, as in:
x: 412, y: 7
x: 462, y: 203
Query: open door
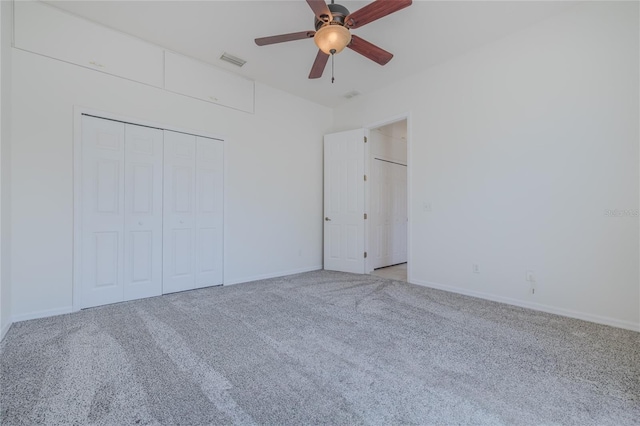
x: 344, y: 201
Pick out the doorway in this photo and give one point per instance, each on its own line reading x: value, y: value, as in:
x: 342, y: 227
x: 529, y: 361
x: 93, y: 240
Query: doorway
x: 388, y: 205
x: 361, y: 236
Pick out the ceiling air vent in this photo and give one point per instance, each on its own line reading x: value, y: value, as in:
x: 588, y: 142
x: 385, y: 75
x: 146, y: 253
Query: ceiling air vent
x: 233, y: 59
x: 351, y: 94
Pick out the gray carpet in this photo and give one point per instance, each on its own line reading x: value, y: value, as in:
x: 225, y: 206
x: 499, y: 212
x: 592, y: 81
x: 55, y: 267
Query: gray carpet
x: 318, y: 348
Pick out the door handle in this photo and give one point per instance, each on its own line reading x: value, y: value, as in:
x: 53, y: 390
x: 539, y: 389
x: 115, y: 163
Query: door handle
x: 327, y: 219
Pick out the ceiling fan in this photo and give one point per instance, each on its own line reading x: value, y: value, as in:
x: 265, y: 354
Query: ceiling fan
x: 332, y: 35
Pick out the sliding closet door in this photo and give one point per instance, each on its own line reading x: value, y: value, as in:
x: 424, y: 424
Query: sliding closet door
x: 179, y: 212
x: 102, y: 195
x: 209, y: 187
x: 143, y: 212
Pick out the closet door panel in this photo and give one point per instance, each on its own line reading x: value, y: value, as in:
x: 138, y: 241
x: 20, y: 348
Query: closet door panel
x: 179, y: 212
x: 399, y: 179
x: 143, y: 212
x: 209, y: 202
x: 102, y: 226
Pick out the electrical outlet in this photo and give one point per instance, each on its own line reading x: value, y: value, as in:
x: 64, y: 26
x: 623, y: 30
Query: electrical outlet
x: 427, y: 207
x: 475, y: 268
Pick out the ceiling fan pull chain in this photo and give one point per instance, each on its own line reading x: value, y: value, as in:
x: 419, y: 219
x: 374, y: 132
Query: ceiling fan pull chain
x: 333, y: 51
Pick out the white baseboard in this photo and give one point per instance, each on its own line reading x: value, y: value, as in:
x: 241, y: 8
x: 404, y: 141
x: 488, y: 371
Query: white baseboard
x: 628, y: 325
x: 4, y: 330
x: 42, y: 314
x: 272, y: 275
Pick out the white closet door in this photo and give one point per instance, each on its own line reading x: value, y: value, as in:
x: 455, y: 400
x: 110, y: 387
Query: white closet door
x: 399, y: 213
x: 143, y: 212
x: 102, y: 212
x: 209, y: 199
x: 381, y: 213
x: 388, y: 213
x: 179, y: 212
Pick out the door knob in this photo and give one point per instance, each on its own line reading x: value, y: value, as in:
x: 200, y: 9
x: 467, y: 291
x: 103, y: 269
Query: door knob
x: 140, y: 223
x: 327, y: 219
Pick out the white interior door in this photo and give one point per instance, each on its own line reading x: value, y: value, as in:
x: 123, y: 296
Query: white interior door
x: 143, y: 212
x: 209, y: 212
x: 102, y: 228
x: 179, y: 212
x: 344, y: 226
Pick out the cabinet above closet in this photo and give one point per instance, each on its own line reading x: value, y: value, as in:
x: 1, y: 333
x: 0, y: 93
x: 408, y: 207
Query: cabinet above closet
x: 46, y: 30
x: 199, y: 80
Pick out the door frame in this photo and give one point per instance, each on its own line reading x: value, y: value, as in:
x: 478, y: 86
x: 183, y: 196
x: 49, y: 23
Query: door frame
x: 78, y: 112
x: 367, y: 191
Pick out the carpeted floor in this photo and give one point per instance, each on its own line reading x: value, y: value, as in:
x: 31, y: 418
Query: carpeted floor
x: 320, y: 347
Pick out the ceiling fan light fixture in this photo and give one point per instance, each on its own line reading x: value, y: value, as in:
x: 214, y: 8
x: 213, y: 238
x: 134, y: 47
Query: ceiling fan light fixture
x: 332, y: 39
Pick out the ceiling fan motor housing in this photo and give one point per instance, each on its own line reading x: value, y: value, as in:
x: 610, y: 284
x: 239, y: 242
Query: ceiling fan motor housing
x: 339, y: 14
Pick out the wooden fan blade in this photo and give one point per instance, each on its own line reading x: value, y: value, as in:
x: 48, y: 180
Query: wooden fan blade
x: 369, y: 50
x: 318, y: 65
x: 321, y: 9
x: 374, y: 10
x: 284, y: 37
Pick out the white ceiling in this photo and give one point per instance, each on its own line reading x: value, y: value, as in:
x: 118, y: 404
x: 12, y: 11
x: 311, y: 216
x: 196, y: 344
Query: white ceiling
x: 422, y: 35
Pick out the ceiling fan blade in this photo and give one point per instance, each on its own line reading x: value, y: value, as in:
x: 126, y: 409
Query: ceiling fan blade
x: 262, y: 41
x: 320, y: 8
x: 369, y: 50
x: 318, y: 65
x: 374, y: 10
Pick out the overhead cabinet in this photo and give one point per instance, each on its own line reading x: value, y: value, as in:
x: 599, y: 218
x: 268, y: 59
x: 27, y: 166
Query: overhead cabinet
x: 203, y: 81
x: 46, y: 30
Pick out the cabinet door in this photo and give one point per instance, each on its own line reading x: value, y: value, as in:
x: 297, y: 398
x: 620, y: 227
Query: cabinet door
x: 209, y: 187
x: 102, y: 256
x: 199, y: 80
x: 143, y: 212
x: 179, y: 212
x: 46, y: 30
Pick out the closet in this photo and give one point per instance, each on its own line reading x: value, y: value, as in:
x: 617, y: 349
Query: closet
x: 151, y: 211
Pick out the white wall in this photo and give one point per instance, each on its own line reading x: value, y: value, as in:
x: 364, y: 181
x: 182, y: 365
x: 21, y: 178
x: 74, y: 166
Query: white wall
x: 6, y: 36
x: 273, y: 221
x: 520, y: 147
